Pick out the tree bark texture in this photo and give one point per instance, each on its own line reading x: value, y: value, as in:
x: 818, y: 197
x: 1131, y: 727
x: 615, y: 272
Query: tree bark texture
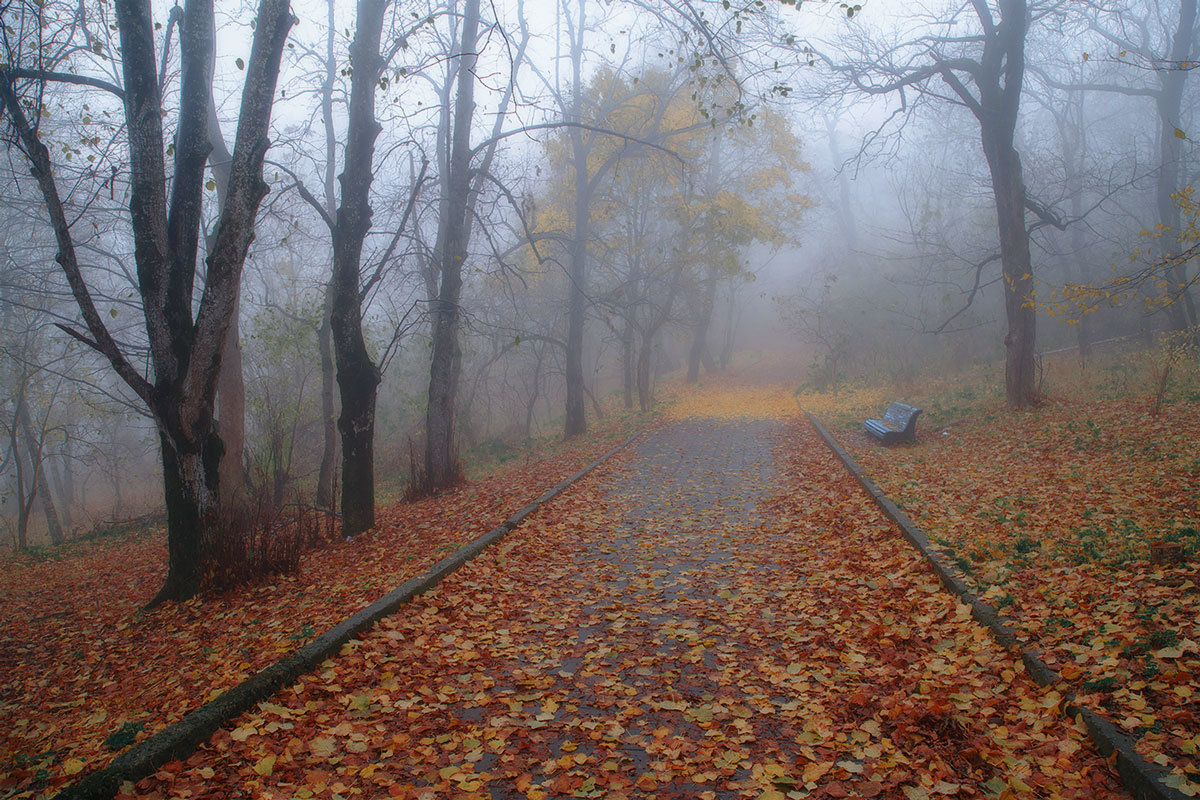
x: 193, y: 511
x: 329, y: 432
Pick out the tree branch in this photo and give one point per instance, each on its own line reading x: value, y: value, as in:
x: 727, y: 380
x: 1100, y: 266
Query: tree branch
x: 582, y: 126
x: 391, y: 248
x: 67, y: 77
x: 39, y: 161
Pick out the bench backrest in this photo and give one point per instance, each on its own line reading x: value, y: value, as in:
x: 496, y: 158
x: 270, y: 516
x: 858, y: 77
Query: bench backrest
x: 901, y: 415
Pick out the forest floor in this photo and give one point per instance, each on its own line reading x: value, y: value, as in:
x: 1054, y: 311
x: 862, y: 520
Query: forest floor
x: 718, y: 611
x: 84, y: 673
x: 1050, y: 514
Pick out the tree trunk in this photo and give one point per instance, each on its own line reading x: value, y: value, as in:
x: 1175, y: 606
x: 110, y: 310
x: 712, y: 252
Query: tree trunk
x: 700, y: 329
x: 1083, y: 332
x: 1182, y: 311
x: 61, y: 496
x: 231, y: 394
x: 645, y: 356
x: 845, y: 215
x: 597, y: 409
x: 40, y: 487
x: 729, y: 335
x: 696, y: 351
x: 1008, y: 188
x: 531, y: 404
x: 441, y: 465
x: 115, y: 472
x: 329, y: 438
x: 576, y: 420
x: 231, y: 382
x: 627, y: 363
x: 24, y: 503
x: 68, y: 476
x: 53, y: 526
x: 192, y: 509
x: 357, y: 378
x: 1004, y: 60
x: 329, y: 432
x: 357, y: 375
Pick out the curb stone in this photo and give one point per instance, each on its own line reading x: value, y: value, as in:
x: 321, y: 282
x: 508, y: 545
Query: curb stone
x: 179, y: 739
x: 1144, y: 780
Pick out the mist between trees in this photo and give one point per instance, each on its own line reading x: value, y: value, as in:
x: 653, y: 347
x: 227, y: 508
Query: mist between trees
x: 313, y: 250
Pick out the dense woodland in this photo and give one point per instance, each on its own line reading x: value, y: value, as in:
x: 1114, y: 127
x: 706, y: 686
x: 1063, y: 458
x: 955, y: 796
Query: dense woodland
x: 261, y: 256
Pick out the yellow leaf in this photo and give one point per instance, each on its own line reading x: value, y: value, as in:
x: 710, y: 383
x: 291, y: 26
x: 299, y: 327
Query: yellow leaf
x: 242, y: 734
x: 265, y: 766
x: 322, y: 747
x: 206, y: 773
x: 73, y: 766
x: 815, y: 769
x: 1180, y: 134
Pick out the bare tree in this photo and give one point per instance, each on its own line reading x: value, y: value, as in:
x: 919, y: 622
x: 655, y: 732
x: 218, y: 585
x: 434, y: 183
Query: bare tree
x: 450, y: 253
x: 982, y: 71
x: 467, y: 170
x: 1167, y: 59
x: 357, y: 375
x: 185, y: 349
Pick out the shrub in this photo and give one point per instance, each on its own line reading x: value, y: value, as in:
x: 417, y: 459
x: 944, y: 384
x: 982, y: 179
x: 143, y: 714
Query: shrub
x: 260, y: 539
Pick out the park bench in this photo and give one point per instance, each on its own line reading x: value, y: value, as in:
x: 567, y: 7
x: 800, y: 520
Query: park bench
x: 899, y: 424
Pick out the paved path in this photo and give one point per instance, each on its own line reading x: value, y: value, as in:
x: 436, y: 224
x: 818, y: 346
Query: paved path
x: 719, y: 613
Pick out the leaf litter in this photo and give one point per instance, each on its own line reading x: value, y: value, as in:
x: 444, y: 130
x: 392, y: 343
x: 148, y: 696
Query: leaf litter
x: 1050, y: 514
x: 721, y: 613
x: 84, y: 674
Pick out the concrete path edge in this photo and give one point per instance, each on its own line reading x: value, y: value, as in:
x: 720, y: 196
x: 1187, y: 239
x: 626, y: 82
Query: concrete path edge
x: 1143, y: 779
x: 179, y: 739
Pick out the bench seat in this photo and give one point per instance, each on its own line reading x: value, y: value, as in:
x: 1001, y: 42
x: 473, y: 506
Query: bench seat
x: 899, y: 424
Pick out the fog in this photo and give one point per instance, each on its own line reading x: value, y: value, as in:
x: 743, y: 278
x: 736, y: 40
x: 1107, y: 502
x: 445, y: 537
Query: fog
x: 490, y: 224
